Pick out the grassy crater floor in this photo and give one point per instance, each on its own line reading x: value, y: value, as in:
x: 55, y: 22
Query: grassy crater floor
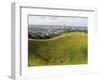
x: 68, y: 48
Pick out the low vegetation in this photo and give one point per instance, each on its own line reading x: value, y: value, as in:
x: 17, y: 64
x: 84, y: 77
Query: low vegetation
x: 68, y: 48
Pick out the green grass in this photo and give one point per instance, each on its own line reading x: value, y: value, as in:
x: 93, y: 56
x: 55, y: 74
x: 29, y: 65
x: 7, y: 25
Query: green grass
x: 68, y: 48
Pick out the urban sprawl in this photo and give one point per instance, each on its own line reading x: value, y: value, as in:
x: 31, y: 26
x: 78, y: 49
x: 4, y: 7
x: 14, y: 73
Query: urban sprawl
x: 49, y: 31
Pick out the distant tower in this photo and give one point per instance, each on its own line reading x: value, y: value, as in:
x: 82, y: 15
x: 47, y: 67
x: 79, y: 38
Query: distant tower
x: 65, y: 26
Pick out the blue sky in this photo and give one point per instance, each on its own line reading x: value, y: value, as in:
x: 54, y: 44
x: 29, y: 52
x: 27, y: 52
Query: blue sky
x: 54, y: 20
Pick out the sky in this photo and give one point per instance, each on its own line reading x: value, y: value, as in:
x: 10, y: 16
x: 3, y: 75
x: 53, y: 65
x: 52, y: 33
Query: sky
x: 55, y: 20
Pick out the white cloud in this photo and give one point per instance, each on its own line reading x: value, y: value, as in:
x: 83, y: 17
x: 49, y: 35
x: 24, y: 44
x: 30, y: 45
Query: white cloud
x: 51, y: 20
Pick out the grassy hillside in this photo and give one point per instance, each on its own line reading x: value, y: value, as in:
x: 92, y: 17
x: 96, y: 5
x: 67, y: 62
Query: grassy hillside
x: 69, y: 48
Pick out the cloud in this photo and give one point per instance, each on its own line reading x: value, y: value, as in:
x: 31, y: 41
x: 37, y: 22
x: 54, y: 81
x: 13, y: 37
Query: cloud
x: 51, y: 20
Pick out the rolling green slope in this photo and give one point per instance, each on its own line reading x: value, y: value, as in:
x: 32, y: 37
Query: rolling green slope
x: 68, y: 48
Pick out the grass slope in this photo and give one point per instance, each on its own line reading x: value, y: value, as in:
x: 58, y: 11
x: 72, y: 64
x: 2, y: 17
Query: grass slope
x: 69, y: 48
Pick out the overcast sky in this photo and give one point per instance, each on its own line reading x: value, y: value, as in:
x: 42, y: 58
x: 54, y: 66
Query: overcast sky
x: 51, y: 20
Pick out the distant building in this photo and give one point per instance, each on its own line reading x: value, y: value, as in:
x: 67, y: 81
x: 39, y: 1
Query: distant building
x: 48, y: 30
